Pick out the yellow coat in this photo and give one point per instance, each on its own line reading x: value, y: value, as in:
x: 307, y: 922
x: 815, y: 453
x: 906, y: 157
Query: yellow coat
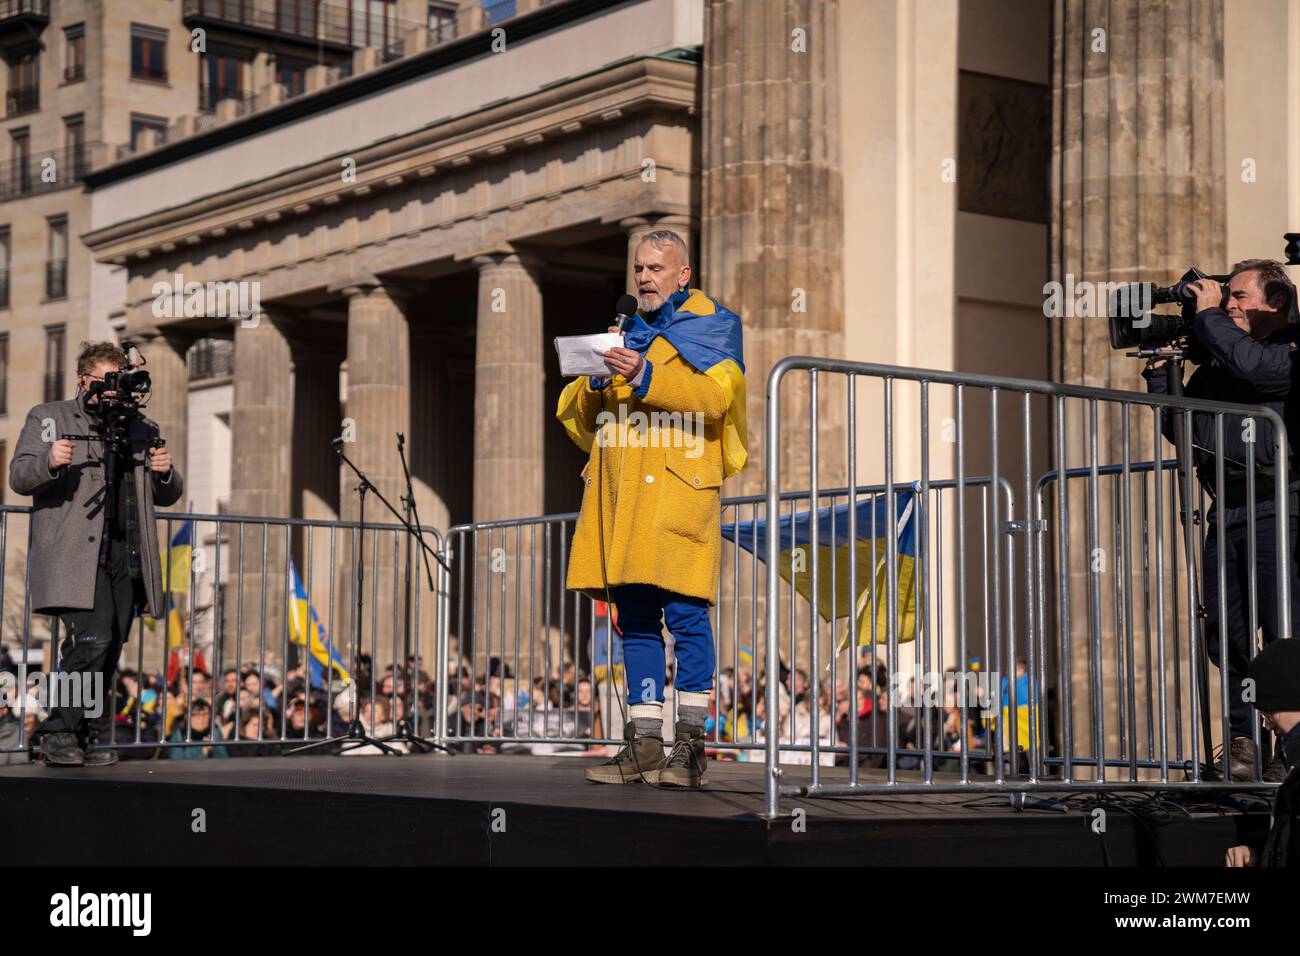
x: 657, y: 478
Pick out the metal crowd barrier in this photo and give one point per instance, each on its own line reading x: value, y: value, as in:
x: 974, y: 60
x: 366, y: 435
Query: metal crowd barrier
x: 231, y: 610
x: 1097, y: 679
x: 512, y: 618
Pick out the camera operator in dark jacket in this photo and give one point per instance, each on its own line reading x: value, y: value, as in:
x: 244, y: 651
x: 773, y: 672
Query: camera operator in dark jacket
x: 1247, y: 352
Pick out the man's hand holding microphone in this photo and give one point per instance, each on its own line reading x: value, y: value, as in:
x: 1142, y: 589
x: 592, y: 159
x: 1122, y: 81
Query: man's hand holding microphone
x: 621, y: 361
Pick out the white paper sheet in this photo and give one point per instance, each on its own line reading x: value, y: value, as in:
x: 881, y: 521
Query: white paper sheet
x: 585, y: 354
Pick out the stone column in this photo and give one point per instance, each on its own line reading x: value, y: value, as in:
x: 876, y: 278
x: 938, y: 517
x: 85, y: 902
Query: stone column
x: 509, y: 412
x: 772, y: 241
x: 377, y: 407
x: 164, y: 355
x: 510, y: 416
x: 771, y: 198
x: 1137, y: 195
x: 638, y: 227
x: 261, y: 419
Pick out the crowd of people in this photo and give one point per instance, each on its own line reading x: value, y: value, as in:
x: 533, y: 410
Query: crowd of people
x: 250, y: 712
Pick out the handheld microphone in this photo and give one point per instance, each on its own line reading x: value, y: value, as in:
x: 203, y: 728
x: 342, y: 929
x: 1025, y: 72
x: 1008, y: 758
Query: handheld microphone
x: 626, y: 309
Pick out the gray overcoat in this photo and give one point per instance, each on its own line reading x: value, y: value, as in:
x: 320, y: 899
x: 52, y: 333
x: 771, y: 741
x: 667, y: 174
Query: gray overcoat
x: 68, y: 506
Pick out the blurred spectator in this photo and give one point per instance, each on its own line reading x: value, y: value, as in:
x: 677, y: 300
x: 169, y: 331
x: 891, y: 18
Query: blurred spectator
x: 199, y: 727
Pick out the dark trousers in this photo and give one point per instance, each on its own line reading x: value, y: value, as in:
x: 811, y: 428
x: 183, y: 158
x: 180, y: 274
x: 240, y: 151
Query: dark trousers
x: 1236, y: 609
x: 94, y: 640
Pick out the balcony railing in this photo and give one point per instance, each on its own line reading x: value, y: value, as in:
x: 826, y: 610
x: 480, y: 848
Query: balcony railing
x: 56, y: 279
x: 51, y: 170
x: 146, y: 71
x: 4, y: 288
x: 209, y: 97
x: 74, y: 73
x: 211, y: 358
x: 25, y: 99
x: 16, y: 15
x: 331, y: 24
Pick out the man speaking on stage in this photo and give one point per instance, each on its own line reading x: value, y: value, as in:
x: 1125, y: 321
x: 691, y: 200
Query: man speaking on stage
x: 662, y: 432
x: 94, y: 552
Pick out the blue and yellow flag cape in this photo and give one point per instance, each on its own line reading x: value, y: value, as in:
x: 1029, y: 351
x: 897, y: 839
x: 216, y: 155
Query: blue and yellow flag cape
x: 833, y: 552
x: 305, y: 621
x: 708, y: 336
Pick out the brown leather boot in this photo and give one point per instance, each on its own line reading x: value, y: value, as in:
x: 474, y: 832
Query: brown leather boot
x: 639, y: 758
x: 686, y: 767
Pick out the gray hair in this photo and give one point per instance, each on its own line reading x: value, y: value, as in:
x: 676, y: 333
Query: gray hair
x: 666, y: 237
x: 1271, y: 276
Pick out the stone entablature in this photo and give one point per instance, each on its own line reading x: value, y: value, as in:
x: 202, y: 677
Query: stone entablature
x: 573, y: 153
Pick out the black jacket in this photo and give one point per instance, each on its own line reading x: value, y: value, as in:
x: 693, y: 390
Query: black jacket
x: 1237, y: 368
x: 1282, y: 845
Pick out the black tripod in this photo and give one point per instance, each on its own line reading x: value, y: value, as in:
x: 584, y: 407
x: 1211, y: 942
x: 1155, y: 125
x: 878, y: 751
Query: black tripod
x: 1176, y: 359
x: 356, y: 735
x: 404, y: 731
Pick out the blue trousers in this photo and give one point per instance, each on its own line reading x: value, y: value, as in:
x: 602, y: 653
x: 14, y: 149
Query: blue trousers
x: 643, y: 609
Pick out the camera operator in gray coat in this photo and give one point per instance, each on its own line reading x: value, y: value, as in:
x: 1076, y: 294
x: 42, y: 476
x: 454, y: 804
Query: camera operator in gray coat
x: 94, y: 559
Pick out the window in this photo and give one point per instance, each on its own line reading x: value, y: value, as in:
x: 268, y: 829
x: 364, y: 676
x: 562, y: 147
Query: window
x: 4, y: 464
x: 140, y: 123
x: 74, y: 53
x: 4, y: 373
x: 372, y: 22
x: 24, y: 93
x: 4, y: 284
x: 442, y: 23
x: 292, y: 75
x: 221, y: 76
x: 20, y: 156
x: 55, y: 352
x: 56, y: 260
x: 74, y: 144
x: 296, y: 17
x: 148, y: 53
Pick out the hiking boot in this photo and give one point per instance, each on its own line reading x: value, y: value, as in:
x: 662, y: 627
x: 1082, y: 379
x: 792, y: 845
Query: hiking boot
x: 686, y: 766
x: 100, y: 757
x: 62, y: 750
x: 1241, y: 759
x: 639, y: 757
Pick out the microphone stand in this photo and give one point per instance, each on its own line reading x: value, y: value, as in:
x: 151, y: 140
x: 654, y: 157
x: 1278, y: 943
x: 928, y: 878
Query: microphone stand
x: 355, y: 735
x: 404, y: 731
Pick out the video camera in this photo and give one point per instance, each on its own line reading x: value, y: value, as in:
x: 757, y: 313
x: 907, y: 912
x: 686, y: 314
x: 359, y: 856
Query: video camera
x: 1134, y: 326
x: 118, y: 399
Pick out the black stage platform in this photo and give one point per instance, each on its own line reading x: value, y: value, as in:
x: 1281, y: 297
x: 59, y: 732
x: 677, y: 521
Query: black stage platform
x: 438, y: 809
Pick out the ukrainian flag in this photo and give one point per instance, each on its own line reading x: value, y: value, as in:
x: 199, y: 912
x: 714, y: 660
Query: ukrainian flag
x: 178, y: 558
x: 795, y: 543
x: 305, y: 621
x: 174, y: 623
x: 1021, y: 724
x: 708, y: 336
